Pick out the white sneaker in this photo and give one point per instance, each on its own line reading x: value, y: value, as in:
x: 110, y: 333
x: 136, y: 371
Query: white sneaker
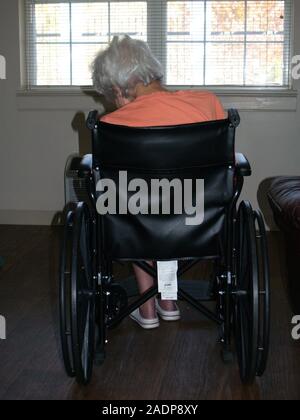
x: 168, y: 315
x: 145, y: 323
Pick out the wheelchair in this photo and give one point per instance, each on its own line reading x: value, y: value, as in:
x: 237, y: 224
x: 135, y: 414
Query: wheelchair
x: 232, y: 236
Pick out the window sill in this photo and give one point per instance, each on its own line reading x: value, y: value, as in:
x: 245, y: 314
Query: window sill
x: 85, y: 100
x: 259, y: 100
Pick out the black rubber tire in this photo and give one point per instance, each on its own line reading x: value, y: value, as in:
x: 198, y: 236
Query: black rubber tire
x: 246, y: 294
x: 264, y: 295
x: 65, y: 295
x: 83, y: 295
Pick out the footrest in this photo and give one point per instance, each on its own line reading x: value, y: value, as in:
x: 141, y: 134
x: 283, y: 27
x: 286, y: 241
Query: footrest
x: 198, y: 289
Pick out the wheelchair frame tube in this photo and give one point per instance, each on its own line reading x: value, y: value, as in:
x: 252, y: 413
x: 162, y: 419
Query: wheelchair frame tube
x: 199, y: 306
x: 143, y: 299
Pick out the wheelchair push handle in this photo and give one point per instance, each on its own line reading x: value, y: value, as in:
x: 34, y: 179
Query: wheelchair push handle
x: 234, y: 117
x: 92, y: 120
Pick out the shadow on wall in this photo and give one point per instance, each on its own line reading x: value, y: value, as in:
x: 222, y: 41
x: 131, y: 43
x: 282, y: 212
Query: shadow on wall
x: 262, y: 198
x: 84, y: 147
x: 78, y: 125
x: 79, y: 121
x: 84, y: 134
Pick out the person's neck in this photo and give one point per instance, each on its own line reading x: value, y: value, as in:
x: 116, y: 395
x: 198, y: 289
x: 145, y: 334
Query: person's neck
x: 153, y: 87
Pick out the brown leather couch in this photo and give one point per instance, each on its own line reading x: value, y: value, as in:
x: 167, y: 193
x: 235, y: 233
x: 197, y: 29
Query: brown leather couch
x: 284, y: 198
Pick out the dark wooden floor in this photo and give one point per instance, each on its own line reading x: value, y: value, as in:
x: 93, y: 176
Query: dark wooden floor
x: 176, y: 361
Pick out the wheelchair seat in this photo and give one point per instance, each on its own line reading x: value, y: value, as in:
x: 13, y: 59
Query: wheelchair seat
x: 231, y: 235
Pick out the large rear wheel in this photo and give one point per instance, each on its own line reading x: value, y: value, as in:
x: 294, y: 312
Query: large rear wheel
x: 65, y: 295
x: 83, y: 294
x: 264, y: 294
x: 246, y: 294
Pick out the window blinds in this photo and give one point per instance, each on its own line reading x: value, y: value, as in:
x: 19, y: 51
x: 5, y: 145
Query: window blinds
x: 199, y: 42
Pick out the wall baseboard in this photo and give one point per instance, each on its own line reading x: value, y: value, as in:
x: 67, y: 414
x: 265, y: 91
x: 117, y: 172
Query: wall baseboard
x: 29, y: 217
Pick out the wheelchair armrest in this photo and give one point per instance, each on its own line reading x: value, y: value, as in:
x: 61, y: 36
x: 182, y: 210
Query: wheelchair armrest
x: 85, y: 166
x: 92, y: 120
x: 242, y: 165
x: 234, y: 117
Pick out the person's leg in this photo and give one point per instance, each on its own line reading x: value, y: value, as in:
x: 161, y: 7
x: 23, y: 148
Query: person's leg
x: 167, y: 305
x: 145, y: 282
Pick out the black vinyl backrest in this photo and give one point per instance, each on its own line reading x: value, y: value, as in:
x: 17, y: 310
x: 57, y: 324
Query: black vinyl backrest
x: 166, y: 148
x: 202, y: 151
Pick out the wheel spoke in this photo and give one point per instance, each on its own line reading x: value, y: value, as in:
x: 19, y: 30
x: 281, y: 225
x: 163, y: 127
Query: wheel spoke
x: 85, y: 343
x: 85, y: 251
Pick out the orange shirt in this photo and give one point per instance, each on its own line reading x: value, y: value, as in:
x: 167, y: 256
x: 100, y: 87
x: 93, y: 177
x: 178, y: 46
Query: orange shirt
x: 168, y: 108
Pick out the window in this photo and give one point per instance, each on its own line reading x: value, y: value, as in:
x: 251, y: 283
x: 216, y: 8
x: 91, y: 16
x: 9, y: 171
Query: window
x: 199, y: 42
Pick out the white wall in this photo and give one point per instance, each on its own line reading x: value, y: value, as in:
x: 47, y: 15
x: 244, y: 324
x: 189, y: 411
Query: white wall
x: 36, y: 137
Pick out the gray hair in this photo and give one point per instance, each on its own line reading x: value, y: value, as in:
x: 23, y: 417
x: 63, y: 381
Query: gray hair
x: 125, y: 63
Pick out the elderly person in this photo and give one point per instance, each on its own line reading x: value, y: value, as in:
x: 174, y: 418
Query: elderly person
x: 130, y: 77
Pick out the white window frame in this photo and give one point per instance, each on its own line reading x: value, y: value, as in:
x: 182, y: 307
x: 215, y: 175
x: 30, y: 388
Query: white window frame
x: 243, y: 97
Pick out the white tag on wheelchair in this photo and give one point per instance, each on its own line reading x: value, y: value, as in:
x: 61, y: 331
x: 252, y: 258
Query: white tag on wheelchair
x: 167, y: 279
